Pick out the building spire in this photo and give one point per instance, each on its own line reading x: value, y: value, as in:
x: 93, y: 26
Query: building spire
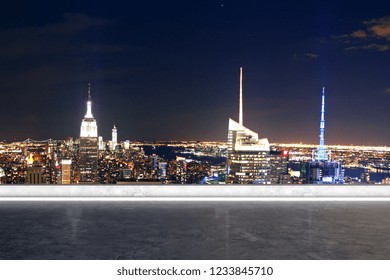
x: 321, y: 147
x: 89, y: 91
x: 240, y: 117
x: 89, y: 104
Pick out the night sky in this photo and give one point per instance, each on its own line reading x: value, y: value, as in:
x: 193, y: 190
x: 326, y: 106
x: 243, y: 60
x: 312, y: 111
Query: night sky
x: 169, y: 70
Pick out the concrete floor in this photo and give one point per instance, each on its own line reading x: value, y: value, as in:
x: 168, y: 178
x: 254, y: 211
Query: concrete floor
x: 194, y: 230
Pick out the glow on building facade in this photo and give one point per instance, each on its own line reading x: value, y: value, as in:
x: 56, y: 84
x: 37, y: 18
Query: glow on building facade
x: 248, y: 156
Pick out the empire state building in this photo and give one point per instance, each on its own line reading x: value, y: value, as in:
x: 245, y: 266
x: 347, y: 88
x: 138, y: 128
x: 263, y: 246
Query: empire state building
x: 88, y: 150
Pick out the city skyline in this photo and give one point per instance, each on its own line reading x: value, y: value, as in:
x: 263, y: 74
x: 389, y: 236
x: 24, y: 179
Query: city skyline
x: 170, y: 71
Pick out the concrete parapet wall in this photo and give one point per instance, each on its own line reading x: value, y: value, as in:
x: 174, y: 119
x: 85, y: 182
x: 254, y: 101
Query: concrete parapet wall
x: 230, y: 191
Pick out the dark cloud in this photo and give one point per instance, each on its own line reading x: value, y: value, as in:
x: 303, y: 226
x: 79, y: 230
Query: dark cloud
x: 305, y: 56
x: 374, y: 36
x: 359, y: 34
x: 312, y: 55
x: 375, y: 47
x: 379, y: 27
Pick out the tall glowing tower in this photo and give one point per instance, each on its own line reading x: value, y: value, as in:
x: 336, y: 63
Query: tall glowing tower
x: 88, y: 124
x: 114, y: 138
x: 88, y: 151
x: 321, y: 169
x: 248, y: 156
x: 322, y: 148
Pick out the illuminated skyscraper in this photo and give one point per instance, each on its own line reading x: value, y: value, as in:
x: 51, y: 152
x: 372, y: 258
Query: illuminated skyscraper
x: 35, y: 175
x: 3, y: 177
x: 66, y: 171
x: 278, y: 162
x: 181, y: 170
x: 162, y: 171
x: 88, y: 151
x: 101, y: 143
x: 126, y: 144
x: 248, y: 156
x: 321, y: 169
x: 114, y: 138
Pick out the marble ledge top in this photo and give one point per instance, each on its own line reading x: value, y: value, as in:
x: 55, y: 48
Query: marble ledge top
x: 230, y: 191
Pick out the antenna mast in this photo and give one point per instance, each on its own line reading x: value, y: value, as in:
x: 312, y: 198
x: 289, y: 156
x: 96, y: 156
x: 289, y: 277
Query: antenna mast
x: 321, y: 147
x: 89, y: 91
x: 241, y: 119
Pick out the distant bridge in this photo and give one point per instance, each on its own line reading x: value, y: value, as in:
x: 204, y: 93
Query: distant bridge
x: 29, y: 140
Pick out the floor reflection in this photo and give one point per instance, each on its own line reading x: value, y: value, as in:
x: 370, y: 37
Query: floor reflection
x: 73, y: 215
x: 194, y: 230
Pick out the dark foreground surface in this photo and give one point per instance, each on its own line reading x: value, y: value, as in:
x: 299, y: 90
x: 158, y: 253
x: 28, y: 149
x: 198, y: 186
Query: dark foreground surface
x: 194, y: 230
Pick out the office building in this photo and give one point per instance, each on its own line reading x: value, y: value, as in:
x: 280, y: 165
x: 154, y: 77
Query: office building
x: 114, y: 139
x: 279, y: 166
x: 3, y: 177
x: 181, y: 170
x: 248, y: 156
x: 35, y: 174
x: 162, y: 171
x: 66, y: 174
x: 101, y: 143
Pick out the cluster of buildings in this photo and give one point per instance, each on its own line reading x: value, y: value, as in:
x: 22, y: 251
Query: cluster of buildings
x: 249, y: 159
x: 90, y: 160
